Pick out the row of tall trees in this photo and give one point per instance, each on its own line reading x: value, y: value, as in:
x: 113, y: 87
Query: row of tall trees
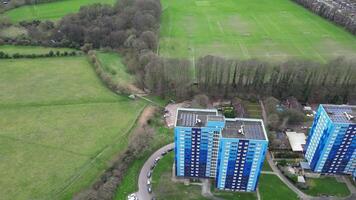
x: 333, y: 82
x: 341, y: 12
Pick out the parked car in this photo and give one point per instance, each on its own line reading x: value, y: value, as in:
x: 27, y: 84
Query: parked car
x: 149, y: 189
x: 169, y: 150
x: 156, y: 160
x: 149, y: 174
x: 132, y: 197
x: 164, y: 153
x: 153, y: 166
x: 148, y: 182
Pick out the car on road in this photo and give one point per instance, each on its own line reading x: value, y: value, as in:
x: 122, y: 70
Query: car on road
x: 169, y: 150
x: 132, y: 197
x: 148, y: 182
x: 152, y: 167
x: 164, y: 153
x: 149, y: 174
x: 157, y: 159
x: 149, y: 189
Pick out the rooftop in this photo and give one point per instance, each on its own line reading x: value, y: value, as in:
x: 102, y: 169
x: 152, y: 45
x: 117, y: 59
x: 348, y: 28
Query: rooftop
x: 194, y: 117
x: 296, y: 140
x: 341, y: 113
x: 234, y: 128
x: 244, y: 128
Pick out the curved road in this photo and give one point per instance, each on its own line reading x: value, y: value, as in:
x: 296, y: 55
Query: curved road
x: 142, y: 179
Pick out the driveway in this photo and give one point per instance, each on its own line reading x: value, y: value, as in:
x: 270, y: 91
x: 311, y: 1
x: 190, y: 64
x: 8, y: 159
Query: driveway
x: 142, y: 180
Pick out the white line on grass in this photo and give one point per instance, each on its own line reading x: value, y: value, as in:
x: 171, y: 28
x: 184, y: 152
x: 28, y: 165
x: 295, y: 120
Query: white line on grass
x: 220, y: 27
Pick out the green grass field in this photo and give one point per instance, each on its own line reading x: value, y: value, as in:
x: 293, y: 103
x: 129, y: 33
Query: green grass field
x: 62, y: 80
x: 271, y: 187
x: 28, y: 50
x: 50, y: 11
x: 59, y: 127
x: 326, y: 185
x: 274, y: 30
x: 112, y: 63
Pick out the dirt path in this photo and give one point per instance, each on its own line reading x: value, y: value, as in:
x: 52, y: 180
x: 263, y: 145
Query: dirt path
x: 147, y: 113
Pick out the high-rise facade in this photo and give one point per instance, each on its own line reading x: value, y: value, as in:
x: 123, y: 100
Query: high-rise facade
x: 231, y: 151
x: 331, y: 143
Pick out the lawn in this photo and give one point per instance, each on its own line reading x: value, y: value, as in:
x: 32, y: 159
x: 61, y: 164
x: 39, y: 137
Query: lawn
x: 271, y: 187
x: 274, y: 30
x: 28, y: 50
x: 63, y: 80
x: 164, y: 188
x: 235, y: 195
x: 326, y: 185
x: 50, y: 11
x: 59, y: 127
x: 266, y: 166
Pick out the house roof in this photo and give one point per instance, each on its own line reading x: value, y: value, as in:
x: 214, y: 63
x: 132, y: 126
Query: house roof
x: 296, y: 140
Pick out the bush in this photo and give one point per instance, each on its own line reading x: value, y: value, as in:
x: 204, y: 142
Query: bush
x: 229, y: 112
x: 282, y: 163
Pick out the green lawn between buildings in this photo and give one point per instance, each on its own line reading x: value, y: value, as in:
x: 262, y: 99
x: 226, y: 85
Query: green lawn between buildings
x: 50, y: 11
x: 270, y: 186
x: 59, y: 127
x: 266, y: 166
x: 271, y: 30
x: 164, y: 188
x: 326, y: 186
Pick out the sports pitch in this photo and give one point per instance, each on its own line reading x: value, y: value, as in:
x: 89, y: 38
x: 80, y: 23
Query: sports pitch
x: 50, y: 11
x: 274, y: 30
x: 59, y: 127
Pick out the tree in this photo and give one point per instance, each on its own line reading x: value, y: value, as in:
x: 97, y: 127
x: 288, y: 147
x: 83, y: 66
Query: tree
x: 87, y: 47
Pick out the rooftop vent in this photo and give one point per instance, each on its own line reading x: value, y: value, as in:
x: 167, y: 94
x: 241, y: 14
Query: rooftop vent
x: 198, y: 121
x: 349, y: 116
x: 241, y: 130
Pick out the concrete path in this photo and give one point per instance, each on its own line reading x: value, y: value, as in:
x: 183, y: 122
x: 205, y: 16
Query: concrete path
x: 258, y: 194
x: 143, y: 193
x: 268, y: 172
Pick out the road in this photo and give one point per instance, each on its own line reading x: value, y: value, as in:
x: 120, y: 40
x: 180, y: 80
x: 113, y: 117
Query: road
x: 142, y: 179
